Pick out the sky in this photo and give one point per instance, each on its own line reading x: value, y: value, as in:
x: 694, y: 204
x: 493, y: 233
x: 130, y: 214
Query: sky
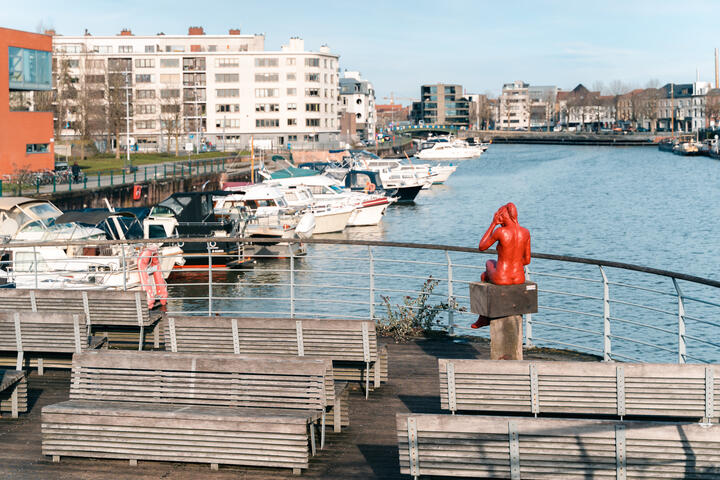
x: 399, y: 45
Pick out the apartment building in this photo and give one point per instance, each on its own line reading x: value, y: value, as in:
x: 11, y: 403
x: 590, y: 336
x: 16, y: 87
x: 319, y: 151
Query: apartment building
x: 442, y: 104
x: 212, y: 91
x: 357, y: 99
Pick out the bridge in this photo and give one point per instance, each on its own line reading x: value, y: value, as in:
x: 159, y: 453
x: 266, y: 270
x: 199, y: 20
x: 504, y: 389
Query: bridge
x: 422, y: 129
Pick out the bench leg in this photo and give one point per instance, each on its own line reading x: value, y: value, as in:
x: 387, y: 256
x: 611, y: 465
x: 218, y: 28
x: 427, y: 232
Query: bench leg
x: 322, y: 432
x: 297, y: 471
x: 41, y: 366
x: 214, y: 466
x: 376, y: 370
x: 133, y: 462
x: 367, y: 380
x: 14, y: 402
x: 56, y: 458
x: 312, y: 439
x: 337, y: 415
x: 141, y: 340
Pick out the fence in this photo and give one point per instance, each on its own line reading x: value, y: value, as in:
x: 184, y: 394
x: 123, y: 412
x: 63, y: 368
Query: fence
x: 616, y: 311
x: 51, y: 182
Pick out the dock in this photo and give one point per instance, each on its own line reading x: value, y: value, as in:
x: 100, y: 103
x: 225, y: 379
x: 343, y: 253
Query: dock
x: 367, y: 449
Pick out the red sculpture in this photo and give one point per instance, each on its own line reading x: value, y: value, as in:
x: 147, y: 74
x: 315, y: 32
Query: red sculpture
x: 513, y: 252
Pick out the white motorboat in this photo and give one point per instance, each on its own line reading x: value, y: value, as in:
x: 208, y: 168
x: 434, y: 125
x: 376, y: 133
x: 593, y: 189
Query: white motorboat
x: 440, y: 173
x: 455, y: 150
x: 330, y: 215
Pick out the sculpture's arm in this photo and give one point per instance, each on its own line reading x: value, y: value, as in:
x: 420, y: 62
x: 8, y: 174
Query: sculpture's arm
x: 526, y: 253
x: 489, y: 238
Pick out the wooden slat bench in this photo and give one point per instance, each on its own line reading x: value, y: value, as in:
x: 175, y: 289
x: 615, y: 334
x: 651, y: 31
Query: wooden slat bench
x: 13, y: 392
x: 119, y: 313
x: 351, y: 344
x: 26, y: 332
x: 585, y: 388
x: 201, y: 408
x: 552, y: 449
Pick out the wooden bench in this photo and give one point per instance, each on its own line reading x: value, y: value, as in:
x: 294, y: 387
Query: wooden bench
x: 578, y: 449
x: 351, y: 344
x: 200, y: 408
x: 13, y: 392
x: 26, y: 332
x: 585, y: 388
x: 114, y: 313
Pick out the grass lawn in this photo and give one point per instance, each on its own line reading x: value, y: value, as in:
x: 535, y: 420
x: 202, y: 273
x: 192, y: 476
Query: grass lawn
x: 108, y: 162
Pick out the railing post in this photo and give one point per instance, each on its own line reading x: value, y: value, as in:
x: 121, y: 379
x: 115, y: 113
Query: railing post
x: 607, y: 341
x: 210, y: 278
x: 70, y: 180
x: 98, y: 179
x: 85, y: 178
x: 123, y: 175
x: 124, y: 269
x: 155, y: 177
x: 164, y: 170
x: 371, y: 261
x: 37, y: 184
x: 528, y: 318
x: 451, y: 297
x: 54, y: 183
x: 35, y: 261
x: 111, y: 178
x: 682, y: 347
x: 146, y: 173
x: 292, y: 281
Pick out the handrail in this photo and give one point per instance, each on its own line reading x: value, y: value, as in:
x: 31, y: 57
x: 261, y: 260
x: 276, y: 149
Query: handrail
x: 376, y: 243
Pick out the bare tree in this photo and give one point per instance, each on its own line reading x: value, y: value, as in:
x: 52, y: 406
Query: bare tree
x: 171, y: 116
x: 648, y: 103
x: 712, y: 107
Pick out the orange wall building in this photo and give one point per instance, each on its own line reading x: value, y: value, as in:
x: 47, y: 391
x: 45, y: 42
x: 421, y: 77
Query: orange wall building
x: 26, y: 135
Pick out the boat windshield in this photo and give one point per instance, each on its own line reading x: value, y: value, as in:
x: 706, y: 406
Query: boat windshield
x: 336, y: 188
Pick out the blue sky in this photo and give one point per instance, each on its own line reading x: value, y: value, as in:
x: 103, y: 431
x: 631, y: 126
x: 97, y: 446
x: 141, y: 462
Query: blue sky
x: 399, y: 45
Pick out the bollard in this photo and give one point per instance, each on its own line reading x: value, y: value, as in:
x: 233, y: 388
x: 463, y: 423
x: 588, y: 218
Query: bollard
x: 54, y: 183
x: 98, y: 179
x: 37, y: 184
x: 123, y: 173
x: 70, y: 179
x: 85, y: 182
x: 111, y: 178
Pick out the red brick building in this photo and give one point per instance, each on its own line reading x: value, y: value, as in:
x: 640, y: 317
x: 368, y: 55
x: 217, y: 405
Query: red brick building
x: 26, y: 119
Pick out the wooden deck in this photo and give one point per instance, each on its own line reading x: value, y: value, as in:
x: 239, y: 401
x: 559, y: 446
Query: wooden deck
x: 367, y: 449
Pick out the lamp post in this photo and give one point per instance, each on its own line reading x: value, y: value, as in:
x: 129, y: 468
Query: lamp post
x: 127, y: 120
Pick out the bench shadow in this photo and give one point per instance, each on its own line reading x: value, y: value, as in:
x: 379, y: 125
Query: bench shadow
x: 384, y: 460
x: 33, y: 395
x: 447, y: 347
x: 422, y: 403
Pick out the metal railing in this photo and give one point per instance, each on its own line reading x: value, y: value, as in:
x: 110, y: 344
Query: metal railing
x: 613, y: 310
x: 39, y: 182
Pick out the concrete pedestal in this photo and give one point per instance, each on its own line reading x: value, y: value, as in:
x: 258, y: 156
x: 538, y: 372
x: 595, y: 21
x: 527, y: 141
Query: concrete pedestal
x: 506, y: 338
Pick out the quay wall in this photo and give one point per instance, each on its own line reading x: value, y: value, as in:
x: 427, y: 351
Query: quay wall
x: 153, y: 191
x: 563, y: 138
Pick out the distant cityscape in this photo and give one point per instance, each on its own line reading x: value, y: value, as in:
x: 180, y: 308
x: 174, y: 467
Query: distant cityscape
x: 171, y: 93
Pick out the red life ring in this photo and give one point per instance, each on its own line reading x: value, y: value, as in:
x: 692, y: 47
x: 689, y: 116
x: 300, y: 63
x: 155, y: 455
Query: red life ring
x: 137, y: 192
x: 157, y: 289
x: 369, y: 187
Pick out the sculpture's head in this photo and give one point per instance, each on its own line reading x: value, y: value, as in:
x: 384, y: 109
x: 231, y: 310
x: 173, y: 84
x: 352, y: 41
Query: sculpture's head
x: 511, y: 210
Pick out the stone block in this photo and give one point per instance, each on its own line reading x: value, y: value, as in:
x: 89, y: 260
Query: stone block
x: 495, y: 301
x: 506, y: 338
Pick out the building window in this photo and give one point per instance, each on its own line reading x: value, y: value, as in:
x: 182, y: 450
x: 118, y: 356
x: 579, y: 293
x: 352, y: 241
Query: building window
x: 169, y: 78
x: 169, y: 62
x: 312, y: 138
x: 312, y: 92
x: 312, y: 107
x: 170, y: 93
x: 312, y: 62
x: 292, y: 122
x: 174, y: 48
x: 266, y: 77
x: 227, y: 77
x: 145, y: 124
x: 267, y: 122
x: 149, y: 48
x: 227, y: 123
x: 227, y: 62
x: 143, y: 78
x: 95, y: 64
x: 227, y: 108
x: 267, y: 107
x: 292, y: 138
x: 145, y: 63
x: 292, y: 106
x: 290, y: 61
x: 30, y: 69
x: 145, y: 109
x: 312, y: 122
x: 227, y: 92
x: 94, y: 78
x: 212, y: 48
x: 172, y: 108
x: 266, y: 62
x: 266, y: 92
x: 36, y: 148
x: 145, y: 94
x: 312, y: 77
x: 290, y: 77
x: 291, y: 92
x: 125, y: 49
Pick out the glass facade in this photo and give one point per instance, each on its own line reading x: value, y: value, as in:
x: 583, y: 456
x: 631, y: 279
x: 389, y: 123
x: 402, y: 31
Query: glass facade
x: 29, y: 69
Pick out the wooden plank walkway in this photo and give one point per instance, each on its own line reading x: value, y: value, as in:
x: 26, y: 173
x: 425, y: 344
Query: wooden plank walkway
x: 367, y: 449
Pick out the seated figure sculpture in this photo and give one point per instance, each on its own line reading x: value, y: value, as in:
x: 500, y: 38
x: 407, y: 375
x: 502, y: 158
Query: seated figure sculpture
x: 513, y: 252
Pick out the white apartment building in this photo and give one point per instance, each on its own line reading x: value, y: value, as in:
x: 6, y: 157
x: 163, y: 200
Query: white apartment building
x: 357, y: 98
x: 229, y: 89
x: 515, y: 109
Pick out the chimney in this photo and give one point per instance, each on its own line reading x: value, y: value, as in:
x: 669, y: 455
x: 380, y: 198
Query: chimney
x: 126, y: 32
x: 196, y: 31
x: 234, y: 31
x: 52, y: 33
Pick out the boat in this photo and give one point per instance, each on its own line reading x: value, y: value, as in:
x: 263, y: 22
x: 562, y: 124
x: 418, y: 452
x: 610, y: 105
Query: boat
x: 687, y: 149
x: 34, y: 220
x: 368, y: 208
x: 191, y: 214
x: 455, y: 150
x: 403, y: 184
